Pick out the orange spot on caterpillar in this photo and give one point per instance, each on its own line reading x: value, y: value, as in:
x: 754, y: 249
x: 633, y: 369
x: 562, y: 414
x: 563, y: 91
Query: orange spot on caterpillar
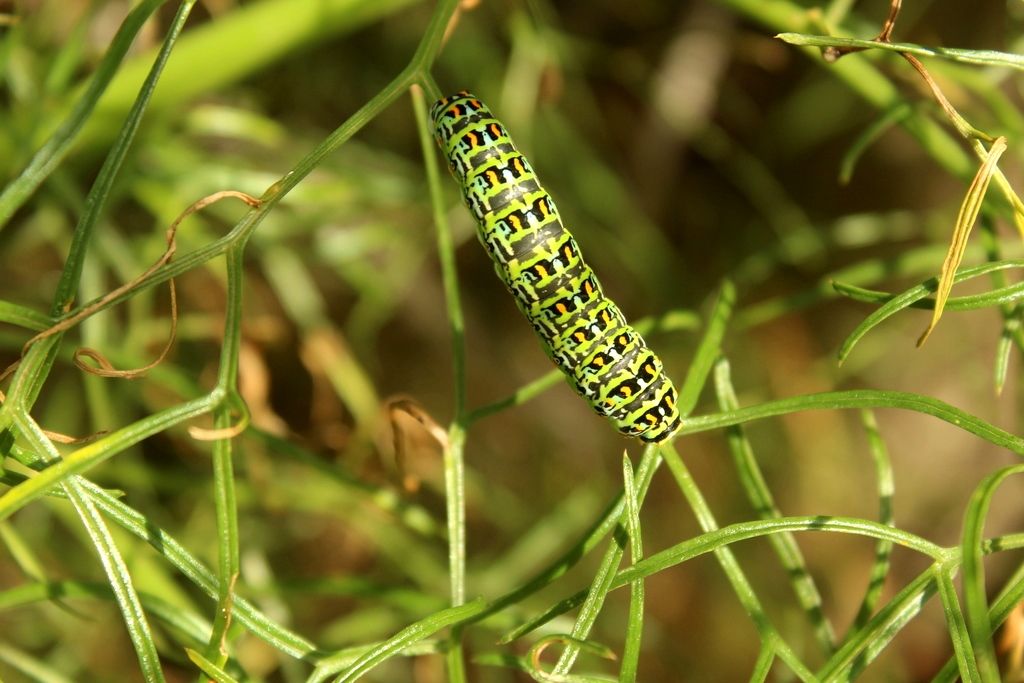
x: 561, y: 308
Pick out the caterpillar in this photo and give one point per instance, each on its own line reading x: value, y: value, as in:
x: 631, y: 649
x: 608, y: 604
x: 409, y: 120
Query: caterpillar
x: 604, y: 359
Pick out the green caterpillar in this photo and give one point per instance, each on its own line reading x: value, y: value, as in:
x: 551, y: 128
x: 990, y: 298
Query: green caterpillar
x: 584, y: 332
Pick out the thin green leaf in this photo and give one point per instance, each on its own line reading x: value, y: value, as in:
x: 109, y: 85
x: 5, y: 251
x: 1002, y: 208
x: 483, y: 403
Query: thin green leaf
x: 215, y: 673
x: 972, y: 551
x: 883, y: 549
x: 864, y: 644
x: 95, y: 202
x: 730, y: 565
x: 605, y: 573
x: 977, y: 57
x: 411, y: 634
x: 869, y: 136
x: 541, y: 676
x: 635, y: 621
x: 110, y: 557
x: 741, y: 531
x: 558, y: 609
x: 1009, y: 598
x: 23, y: 316
x: 858, y: 398
x: 92, y: 454
x: 709, y: 349
x: 227, y: 540
x: 916, y: 293
x: 962, y: 648
x: 996, y: 297
x: 763, y: 664
x: 756, y: 489
x: 1007, y: 336
x: 34, y: 669
x: 165, y: 544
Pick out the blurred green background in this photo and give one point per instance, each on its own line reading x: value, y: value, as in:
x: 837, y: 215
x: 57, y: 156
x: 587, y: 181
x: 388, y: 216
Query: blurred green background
x: 683, y: 144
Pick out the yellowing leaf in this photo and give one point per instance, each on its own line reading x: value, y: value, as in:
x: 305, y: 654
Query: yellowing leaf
x: 964, y: 222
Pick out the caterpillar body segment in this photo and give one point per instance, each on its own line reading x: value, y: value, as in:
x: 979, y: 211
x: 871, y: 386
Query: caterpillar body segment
x: 583, y: 332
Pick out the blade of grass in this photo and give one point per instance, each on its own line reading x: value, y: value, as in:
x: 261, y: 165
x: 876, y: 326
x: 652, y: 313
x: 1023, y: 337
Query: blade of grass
x: 454, y: 466
x: 98, y: 451
x: 445, y: 252
x: 192, y: 569
x: 96, y: 200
